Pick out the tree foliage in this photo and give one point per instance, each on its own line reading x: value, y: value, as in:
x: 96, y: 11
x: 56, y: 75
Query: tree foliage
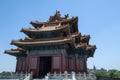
x: 110, y: 73
x: 114, y: 73
x: 101, y: 73
x: 4, y: 73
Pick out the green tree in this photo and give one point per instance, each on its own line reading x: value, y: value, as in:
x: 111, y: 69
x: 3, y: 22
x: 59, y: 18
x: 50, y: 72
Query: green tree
x: 114, y: 73
x: 101, y: 73
x: 5, y: 73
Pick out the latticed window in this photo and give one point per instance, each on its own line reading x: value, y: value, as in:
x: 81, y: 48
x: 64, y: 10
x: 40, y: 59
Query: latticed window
x: 33, y: 64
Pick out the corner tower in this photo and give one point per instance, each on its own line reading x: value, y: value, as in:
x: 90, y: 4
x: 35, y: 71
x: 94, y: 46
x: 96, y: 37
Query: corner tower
x: 52, y: 46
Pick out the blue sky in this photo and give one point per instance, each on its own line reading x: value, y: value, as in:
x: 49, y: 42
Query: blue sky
x: 99, y: 18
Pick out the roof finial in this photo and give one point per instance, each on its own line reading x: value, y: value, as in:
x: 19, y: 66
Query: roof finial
x: 66, y: 16
x: 58, y: 13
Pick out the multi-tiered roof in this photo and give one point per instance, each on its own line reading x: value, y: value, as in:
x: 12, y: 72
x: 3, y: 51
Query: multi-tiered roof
x: 58, y: 32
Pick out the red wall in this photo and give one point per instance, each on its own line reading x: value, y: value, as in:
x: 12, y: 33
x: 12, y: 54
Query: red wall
x: 59, y: 63
x: 21, y: 65
x: 77, y: 64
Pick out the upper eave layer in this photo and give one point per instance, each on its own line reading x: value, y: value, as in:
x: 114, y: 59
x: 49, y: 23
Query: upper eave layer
x: 40, y: 24
x: 45, y: 29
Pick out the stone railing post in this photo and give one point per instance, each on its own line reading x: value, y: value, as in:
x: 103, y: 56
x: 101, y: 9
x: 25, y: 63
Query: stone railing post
x: 85, y: 76
x: 73, y: 76
x: 66, y: 74
x: 46, y: 78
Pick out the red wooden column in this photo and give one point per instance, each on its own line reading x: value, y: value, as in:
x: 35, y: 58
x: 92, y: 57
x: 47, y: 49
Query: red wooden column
x: 66, y: 63
x: 17, y: 65
x: 23, y: 64
x: 63, y: 63
x: 76, y: 65
x: 85, y: 65
x: 28, y: 64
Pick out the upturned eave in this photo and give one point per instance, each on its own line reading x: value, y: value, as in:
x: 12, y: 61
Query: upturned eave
x: 40, y: 24
x: 15, y: 52
x: 45, y: 29
x: 90, y: 50
x: 48, y: 42
x: 85, y: 39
